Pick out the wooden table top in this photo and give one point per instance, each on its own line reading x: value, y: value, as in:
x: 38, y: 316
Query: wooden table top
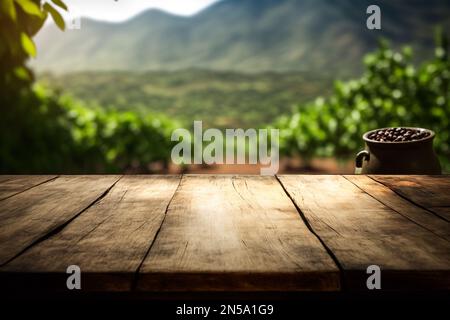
x: 224, y: 233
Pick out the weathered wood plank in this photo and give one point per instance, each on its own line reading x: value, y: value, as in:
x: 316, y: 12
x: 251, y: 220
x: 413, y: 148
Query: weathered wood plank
x: 431, y: 192
x: 6, y: 177
x: 389, y: 198
x: 361, y: 231
x: 108, y: 241
x: 17, y: 184
x: 224, y: 233
x: 31, y: 215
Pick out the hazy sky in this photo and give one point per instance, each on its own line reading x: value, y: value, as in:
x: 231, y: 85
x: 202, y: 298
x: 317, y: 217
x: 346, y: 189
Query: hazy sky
x: 119, y: 10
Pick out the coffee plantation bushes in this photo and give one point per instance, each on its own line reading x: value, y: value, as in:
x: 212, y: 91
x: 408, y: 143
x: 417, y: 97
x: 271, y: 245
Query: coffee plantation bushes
x: 391, y: 92
x: 119, y: 141
x: 44, y: 132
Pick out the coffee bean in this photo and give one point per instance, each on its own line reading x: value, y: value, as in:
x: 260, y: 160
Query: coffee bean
x: 398, y: 135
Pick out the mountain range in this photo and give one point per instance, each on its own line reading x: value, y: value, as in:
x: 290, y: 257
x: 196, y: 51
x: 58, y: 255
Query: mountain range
x: 328, y: 36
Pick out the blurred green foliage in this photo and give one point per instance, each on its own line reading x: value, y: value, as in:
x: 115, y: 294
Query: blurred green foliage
x: 44, y: 132
x: 47, y: 133
x: 391, y: 92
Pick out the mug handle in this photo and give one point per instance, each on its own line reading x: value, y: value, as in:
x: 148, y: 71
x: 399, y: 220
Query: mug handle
x: 360, y: 157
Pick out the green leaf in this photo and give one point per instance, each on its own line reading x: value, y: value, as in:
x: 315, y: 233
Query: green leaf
x: 60, y: 4
x: 30, y: 7
x: 7, y: 6
x: 22, y: 73
x: 34, y: 24
x: 56, y: 16
x: 28, y: 44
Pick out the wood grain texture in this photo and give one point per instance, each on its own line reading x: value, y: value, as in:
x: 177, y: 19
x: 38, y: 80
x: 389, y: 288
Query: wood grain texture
x: 404, y: 207
x: 12, y: 185
x: 225, y: 233
x: 29, y: 216
x: 431, y: 192
x: 361, y: 231
x: 6, y: 177
x: 108, y: 241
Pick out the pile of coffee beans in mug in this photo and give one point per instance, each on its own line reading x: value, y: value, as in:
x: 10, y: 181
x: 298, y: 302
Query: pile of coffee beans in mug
x: 398, y: 135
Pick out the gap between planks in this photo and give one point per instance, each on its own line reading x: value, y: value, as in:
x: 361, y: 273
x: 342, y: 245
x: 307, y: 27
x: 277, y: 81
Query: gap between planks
x: 24, y: 186
x: 361, y: 231
x: 404, y: 207
x: 136, y: 274
x: 432, y: 210
x: 35, y: 213
x: 310, y: 228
